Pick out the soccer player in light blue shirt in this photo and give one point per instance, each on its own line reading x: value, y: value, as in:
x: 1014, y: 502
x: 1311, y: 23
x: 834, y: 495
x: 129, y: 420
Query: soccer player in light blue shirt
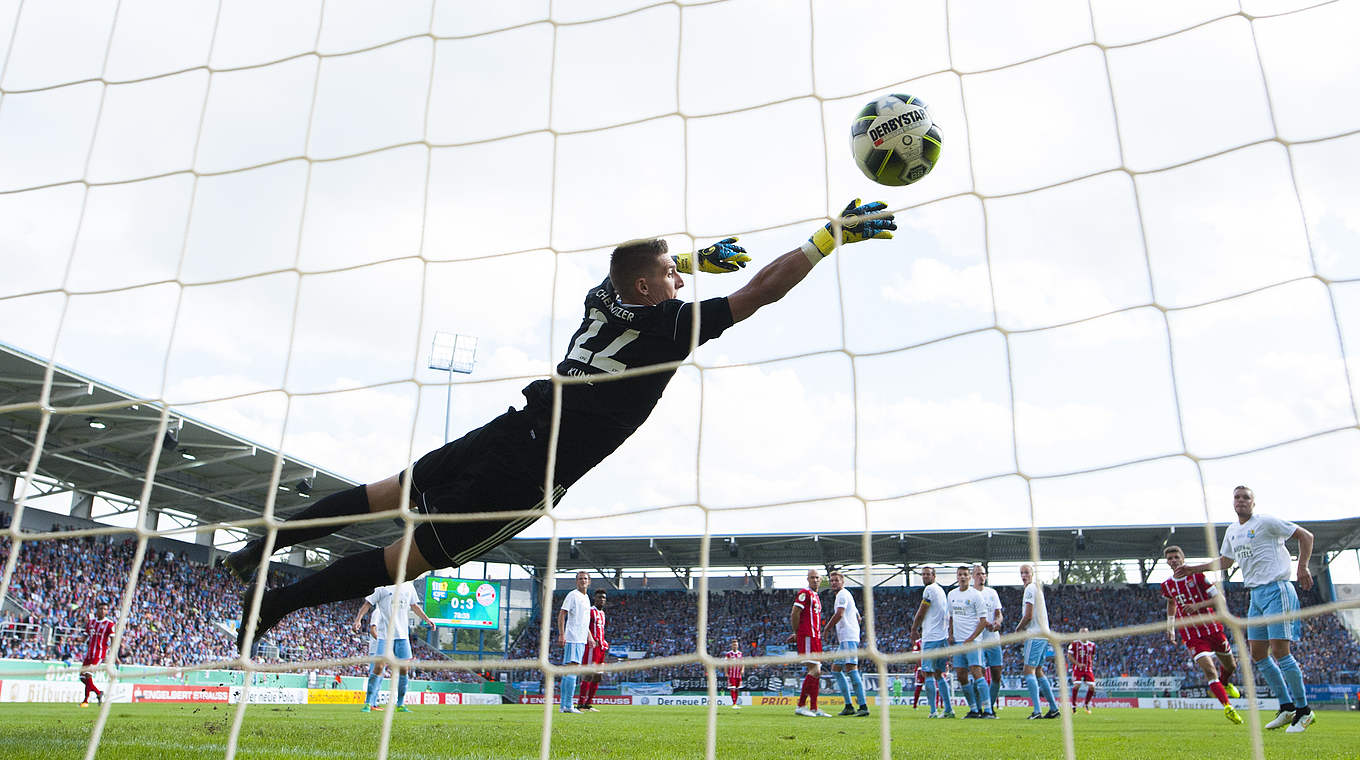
x: 1257, y: 543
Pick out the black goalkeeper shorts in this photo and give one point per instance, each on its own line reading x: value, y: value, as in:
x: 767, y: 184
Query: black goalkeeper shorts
x: 497, y: 467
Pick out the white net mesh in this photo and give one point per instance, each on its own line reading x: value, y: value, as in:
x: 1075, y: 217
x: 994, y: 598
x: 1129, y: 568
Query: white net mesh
x: 1130, y: 283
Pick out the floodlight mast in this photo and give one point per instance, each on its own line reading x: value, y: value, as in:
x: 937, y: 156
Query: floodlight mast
x: 452, y: 352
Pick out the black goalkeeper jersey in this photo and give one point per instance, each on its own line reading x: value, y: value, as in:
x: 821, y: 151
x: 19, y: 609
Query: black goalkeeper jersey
x: 597, y: 417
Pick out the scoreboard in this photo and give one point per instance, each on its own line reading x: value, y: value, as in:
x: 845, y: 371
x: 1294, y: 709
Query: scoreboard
x: 463, y: 603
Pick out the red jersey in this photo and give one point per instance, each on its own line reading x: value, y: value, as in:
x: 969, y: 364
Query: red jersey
x: 734, y: 668
x: 100, y: 632
x: 916, y: 647
x: 597, y: 626
x: 1187, y: 592
x: 810, y: 623
x: 1082, y: 654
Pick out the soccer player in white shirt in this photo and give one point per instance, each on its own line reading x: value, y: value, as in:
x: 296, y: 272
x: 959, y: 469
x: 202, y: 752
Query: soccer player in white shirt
x: 573, y: 633
x: 396, y: 604
x: 1036, y: 648
x: 846, y: 621
x: 1257, y: 543
x: 931, y: 625
x: 966, y: 624
x: 991, y: 656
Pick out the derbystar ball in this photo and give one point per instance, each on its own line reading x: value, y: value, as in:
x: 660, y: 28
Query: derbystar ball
x: 894, y: 140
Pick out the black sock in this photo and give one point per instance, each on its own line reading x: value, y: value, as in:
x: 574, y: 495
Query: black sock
x: 351, y: 502
x: 346, y: 578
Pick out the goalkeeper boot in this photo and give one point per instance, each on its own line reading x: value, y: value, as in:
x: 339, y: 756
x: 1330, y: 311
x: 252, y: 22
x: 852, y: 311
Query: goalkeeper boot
x: 1230, y: 713
x: 1233, y: 693
x: 847, y: 711
x: 245, y: 561
x: 267, y: 619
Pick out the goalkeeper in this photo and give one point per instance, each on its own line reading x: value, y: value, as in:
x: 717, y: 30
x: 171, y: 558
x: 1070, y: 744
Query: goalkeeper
x: 632, y: 319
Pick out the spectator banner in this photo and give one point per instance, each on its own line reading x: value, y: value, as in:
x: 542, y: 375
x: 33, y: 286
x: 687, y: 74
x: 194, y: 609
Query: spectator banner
x: 269, y: 695
x: 147, y: 692
x: 463, y: 603
x: 599, y: 699
x: 58, y: 691
x: 334, y: 697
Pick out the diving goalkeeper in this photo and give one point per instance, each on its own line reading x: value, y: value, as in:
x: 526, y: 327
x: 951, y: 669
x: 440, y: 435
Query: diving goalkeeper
x: 632, y: 319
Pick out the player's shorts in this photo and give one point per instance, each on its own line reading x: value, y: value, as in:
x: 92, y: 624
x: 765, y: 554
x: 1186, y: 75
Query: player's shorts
x: 991, y: 656
x: 1083, y: 675
x: 497, y: 467
x: 594, y: 655
x: 1212, y: 643
x: 968, y: 659
x: 1274, y: 599
x: 809, y: 644
x: 400, y: 647
x: 573, y: 653
x: 733, y: 683
x: 920, y: 676
x: 374, y: 646
x: 1036, y: 651
x: 849, y: 658
x: 88, y: 661
x: 934, y: 664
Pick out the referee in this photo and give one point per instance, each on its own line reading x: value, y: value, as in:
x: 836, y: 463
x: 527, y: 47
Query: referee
x: 1257, y: 543
x: 631, y: 319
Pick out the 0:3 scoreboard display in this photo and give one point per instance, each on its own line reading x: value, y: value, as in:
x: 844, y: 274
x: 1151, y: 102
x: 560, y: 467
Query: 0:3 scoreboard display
x: 462, y: 603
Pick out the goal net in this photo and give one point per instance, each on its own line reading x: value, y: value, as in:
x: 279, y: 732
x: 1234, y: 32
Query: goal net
x: 1131, y: 283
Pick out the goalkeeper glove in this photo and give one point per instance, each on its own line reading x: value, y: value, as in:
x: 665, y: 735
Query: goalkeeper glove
x: 853, y: 229
x: 722, y: 256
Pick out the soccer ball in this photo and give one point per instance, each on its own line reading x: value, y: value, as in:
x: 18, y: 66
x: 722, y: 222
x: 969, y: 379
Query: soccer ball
x: 894, y: 140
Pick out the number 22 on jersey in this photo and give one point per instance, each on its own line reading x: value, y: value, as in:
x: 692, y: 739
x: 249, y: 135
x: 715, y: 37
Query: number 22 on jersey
x: 601, y: 358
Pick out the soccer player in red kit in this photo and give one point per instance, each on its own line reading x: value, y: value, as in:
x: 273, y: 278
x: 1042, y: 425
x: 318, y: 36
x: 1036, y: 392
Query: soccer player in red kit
x: 920, y: 676
x: 594, y: 654
x: 735, y: 671
x: 99, y: 632
x: 1190, y: 596
x: 806, y: 622
x: 1083, y: 656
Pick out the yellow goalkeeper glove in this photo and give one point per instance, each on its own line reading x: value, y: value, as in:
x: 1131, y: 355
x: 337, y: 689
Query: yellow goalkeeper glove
x: 853, y: 229
x: 719, y: 258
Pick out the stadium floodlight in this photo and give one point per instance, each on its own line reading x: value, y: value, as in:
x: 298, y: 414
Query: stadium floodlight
x: 96, y: 423
x: 186, y: 454
x: 452, y: 352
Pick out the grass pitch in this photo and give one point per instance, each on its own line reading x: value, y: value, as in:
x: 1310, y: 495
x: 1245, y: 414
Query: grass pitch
x: 48, y: 732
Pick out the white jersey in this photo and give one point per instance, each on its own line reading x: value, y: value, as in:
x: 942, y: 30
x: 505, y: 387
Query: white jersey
x: 847, y: 628
x: 577, y: 605
x: 991, y: 603
x: 935, y: 624
x: 1031, y: 597
x: 378, y: 618
x: 965, y: 607
x: 1258, y: 546
x: 396, y: 604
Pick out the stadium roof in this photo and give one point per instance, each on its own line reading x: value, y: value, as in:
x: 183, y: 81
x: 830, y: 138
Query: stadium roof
x: 216, y: 476
x: 203, y: 471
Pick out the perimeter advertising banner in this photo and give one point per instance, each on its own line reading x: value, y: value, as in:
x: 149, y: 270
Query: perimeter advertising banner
x: 462, y: 603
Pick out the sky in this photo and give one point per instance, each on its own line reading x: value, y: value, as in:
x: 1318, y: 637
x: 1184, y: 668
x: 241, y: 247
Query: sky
x: 1131, y: 282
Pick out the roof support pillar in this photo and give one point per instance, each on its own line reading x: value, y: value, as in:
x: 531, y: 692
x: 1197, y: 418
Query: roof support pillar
x: 82, y: 504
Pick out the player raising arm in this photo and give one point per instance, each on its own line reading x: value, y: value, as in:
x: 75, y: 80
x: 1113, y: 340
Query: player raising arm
x: 632, y: 319
x: 1257, y: 543
x: 1190, y: 596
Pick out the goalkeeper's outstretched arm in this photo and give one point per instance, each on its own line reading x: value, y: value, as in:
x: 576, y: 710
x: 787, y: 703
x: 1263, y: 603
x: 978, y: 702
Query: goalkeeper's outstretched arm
x: 777, y: 278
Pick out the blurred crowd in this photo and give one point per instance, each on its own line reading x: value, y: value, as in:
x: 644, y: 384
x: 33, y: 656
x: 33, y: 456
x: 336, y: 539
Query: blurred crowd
x: 182, y: 613
x: 663, y: 623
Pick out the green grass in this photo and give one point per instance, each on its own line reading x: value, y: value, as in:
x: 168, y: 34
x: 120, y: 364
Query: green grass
x: 49, y: 732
